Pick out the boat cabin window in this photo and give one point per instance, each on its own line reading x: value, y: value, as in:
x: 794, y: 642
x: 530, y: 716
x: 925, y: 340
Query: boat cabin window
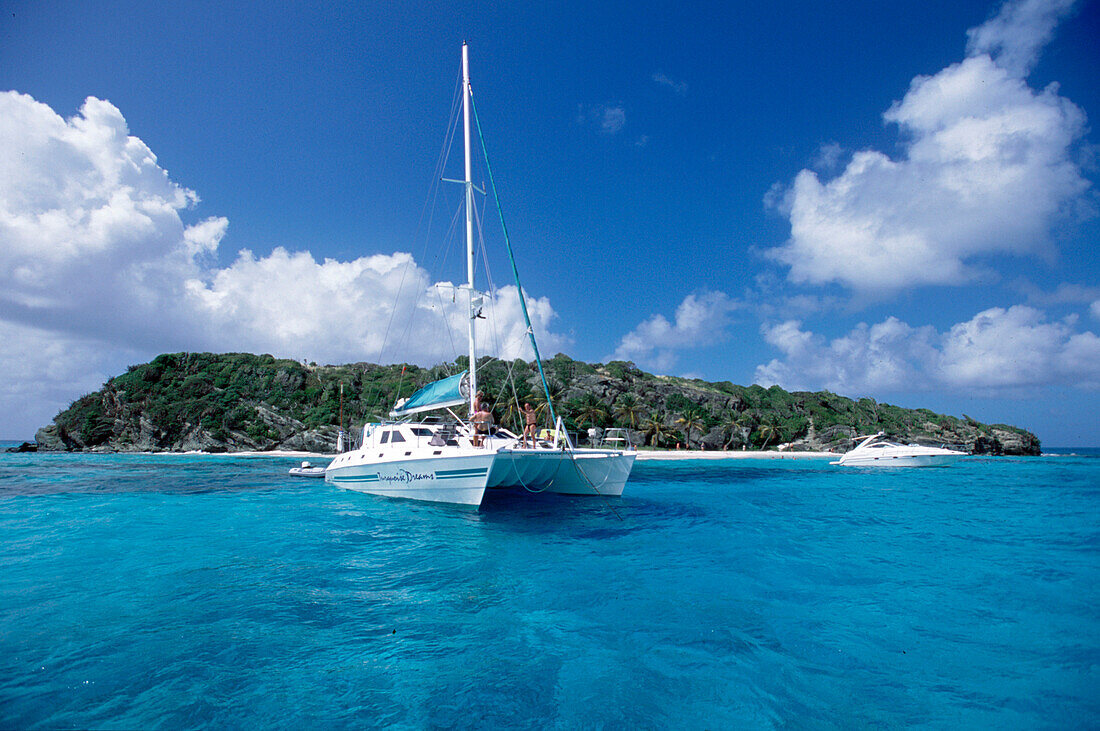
x: 397, y: 436
x: 421, y: 431
x: 385, y: 437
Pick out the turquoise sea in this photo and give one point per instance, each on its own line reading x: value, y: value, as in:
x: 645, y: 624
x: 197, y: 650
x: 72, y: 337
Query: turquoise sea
x: 173, y: 591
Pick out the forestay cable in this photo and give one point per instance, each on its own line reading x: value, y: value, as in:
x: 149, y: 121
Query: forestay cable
x: 512, y: 260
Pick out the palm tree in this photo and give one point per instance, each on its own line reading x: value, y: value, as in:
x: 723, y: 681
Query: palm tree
x: 589, y: 409
x: 538, y: 397
x: 769, y: 429
x: 627, y: 409
x: 655, y: 428
x: 691, y: 420
x: 736, y: 424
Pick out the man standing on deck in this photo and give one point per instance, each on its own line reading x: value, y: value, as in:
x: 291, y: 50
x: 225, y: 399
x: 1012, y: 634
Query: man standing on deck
x: 481, y: 421
x: 529, y: 427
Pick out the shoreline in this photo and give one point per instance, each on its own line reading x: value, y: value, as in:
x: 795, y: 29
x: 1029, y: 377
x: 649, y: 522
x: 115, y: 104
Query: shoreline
x: 646, y: 455
x: 643, y: 455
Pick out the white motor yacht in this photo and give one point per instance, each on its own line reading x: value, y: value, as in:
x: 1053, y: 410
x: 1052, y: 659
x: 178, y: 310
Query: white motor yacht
x: 876, y: 451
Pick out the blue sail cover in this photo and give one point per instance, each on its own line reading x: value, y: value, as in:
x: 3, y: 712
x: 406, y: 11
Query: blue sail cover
x: 436, y: 395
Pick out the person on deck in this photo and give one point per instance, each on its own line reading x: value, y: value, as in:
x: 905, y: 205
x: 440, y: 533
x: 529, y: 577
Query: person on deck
x: 481, y: 421
x: 529, y: 427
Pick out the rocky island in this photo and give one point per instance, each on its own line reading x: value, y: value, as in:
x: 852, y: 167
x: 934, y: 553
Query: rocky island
x: 242, y: 402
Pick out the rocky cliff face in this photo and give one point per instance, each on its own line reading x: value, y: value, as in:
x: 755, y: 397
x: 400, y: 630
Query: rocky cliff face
x: 137, y: 433
x: 727, y: 416
x: 197, y: 402
x: 241, y: 402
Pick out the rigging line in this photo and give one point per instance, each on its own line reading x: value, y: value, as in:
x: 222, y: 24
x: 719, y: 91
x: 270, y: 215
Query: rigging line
x: 523, y: 303
x: 451, y: 236
x: 503, y: 386
x: 429, y: 210
x: 440, y: 161
x: 446, y: 322
x: 515, y: 395
x: 606, y: 476
x: 512, y: 259
x: 494, y: 299
x: 550, y: 484
x: 406, y: 333
x: 493, y: 322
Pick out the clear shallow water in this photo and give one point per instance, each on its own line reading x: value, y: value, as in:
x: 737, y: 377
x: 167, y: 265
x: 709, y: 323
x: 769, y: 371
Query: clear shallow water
x: 199, y: 591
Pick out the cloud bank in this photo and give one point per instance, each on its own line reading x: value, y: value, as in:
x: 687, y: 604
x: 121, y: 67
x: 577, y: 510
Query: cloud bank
x: 701, y: 319
x: 1017, y: 33
x: 987, y: 170
x: 998, y: 351
x: 99, y: 267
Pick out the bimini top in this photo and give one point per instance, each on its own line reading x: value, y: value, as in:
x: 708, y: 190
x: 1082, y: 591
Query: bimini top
x: 451, y: 391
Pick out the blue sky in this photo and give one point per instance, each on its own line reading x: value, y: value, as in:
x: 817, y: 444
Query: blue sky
x: 895, y: 200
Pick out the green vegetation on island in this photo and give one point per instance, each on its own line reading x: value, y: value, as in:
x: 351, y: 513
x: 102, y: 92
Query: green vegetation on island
x: 243, y: 402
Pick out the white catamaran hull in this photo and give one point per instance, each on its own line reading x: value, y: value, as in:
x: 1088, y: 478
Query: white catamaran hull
x: 463, y: 479
x: 579, y: 472
x: 458, y: 479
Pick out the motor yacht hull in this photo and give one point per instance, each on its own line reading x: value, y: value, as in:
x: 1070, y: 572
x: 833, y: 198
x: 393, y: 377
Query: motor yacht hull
x: 876, y: 451
x: 913, y: 460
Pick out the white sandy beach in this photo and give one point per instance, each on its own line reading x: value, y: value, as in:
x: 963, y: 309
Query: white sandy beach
x: 687, y: 454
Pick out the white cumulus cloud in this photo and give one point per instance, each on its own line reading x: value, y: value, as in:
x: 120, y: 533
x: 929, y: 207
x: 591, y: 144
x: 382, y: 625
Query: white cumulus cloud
x: 98, y: 266
x: 882, y: 357
x: 700, y: 319
x: 997, y: 351
x: 987, y: 170
x: 1017, y: 33
x: 41, y: 373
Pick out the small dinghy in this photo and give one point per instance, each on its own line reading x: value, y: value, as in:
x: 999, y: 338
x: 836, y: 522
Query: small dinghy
x: 307, y: 470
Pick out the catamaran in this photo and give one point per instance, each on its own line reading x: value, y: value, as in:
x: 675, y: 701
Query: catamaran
x: 458, y: 460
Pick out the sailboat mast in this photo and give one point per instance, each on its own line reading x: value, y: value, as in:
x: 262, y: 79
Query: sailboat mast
x: 469, y: 223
